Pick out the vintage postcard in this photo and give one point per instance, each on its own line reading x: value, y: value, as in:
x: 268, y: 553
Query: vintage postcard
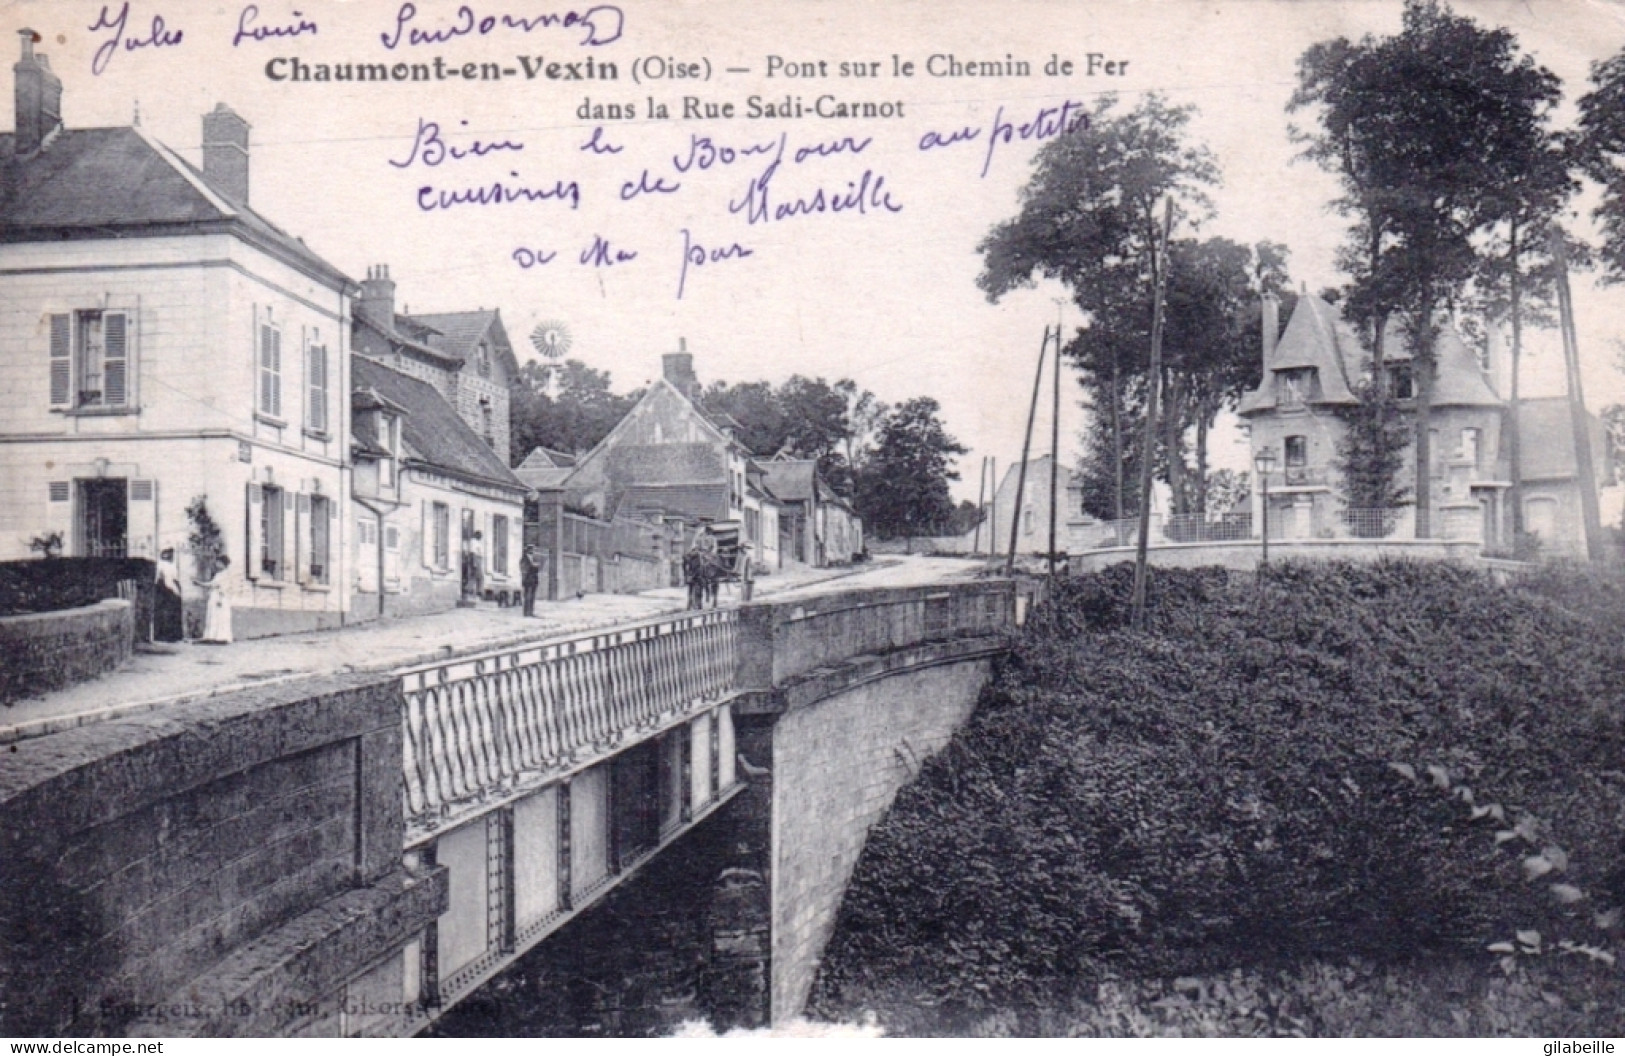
x: 523, y: 518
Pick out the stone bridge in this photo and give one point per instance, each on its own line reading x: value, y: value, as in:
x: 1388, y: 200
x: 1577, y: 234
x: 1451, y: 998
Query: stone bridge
x: 350, y: 856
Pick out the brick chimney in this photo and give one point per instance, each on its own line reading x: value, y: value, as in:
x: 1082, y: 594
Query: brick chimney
x: 225, y: 153
x: 39, y: 97
x: 678, y: 367
x: 378, y: 296
x: 1271, y: 311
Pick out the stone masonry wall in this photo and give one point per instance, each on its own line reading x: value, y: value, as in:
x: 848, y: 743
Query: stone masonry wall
x: 837, y: 765
x: 137, y: 856
x: 45, y: 651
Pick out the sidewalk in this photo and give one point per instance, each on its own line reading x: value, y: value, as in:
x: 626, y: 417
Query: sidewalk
x: 172, y: 674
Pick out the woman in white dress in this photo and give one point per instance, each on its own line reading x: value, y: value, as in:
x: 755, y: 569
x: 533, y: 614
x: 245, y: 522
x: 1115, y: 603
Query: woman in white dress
x: 217, y: 607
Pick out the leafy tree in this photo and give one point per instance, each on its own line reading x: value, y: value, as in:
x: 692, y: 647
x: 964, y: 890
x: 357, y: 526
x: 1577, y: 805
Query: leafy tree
x: 1371, y: 451
x: 902, y: 489
x: 1599, y: 150
x: 1211, y: 338
x: 804, y: 418
x: 567, y: 407
x: 1438, y: 136
x: 1089, y: 218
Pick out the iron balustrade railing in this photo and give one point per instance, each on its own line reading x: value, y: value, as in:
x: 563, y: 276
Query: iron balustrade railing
x: 476, y: 724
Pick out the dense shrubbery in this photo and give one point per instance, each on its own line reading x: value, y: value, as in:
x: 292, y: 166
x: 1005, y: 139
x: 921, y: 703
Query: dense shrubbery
x: 1388, y: 761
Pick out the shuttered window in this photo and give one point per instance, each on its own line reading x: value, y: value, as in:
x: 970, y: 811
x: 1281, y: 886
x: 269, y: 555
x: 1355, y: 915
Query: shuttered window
x: 62, y: 360
x: 270, y: 370
x: 91, y: 359
x: 115, y: 359
x: 316, y: 398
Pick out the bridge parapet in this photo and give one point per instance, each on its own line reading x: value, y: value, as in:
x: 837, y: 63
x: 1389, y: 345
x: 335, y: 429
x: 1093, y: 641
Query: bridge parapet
x: 790, y: 640
x: 504, y: 721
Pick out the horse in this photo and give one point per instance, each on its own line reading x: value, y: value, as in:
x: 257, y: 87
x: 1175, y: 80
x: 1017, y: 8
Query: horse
x: 700, y: 573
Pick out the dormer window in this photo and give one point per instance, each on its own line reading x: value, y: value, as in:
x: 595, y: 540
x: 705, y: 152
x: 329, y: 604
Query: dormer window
x: 482, y: 359
x: 1295, y: 387
x: 1401, y: 381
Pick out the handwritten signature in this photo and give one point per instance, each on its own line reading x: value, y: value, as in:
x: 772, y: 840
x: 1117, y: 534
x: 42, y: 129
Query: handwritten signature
x: 601, y: 24
x: 247, y: 30
x: 431, y: 149
x: 159, y: 36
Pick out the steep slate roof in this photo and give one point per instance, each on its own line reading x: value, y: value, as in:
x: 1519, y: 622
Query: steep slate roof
x: 1547, y: 441
x: 1461, y: 381
x: 1316, y: 336
x: 95, y: 182
x: 431, y: 430
x: 456, y: 334
x: 402, y: 334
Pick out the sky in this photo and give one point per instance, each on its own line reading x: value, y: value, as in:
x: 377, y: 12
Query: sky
x: 882, y: 291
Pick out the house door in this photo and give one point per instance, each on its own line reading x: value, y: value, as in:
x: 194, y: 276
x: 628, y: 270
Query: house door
x: 103, y: 517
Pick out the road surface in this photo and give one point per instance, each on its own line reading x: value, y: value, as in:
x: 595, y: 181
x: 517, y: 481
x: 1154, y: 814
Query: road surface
x: 171, y: 674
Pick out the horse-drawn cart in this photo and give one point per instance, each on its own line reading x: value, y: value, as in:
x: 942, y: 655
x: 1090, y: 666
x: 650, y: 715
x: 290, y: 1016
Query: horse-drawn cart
x: 717, y: 555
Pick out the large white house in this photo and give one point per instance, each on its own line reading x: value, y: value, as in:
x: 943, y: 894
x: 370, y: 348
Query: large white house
x: 160, y: 343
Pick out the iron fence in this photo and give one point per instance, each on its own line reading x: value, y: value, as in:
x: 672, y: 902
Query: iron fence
x: 1371, y: 523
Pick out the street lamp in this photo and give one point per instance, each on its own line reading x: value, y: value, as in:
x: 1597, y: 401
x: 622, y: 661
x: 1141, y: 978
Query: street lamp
x: 1264, y: 462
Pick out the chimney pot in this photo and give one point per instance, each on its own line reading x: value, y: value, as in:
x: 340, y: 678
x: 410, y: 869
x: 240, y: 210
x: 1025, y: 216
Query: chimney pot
x: 378, y: 296
x: 678, y: 368
x: 38, y: 97
x: 225, y: 153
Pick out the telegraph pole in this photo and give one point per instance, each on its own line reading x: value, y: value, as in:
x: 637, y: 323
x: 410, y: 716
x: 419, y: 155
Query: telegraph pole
x: 1153, y: 384
x: 981, y: 508
x: 1026, y: 450
x: 1055, y: 439
x: 1585, y: 472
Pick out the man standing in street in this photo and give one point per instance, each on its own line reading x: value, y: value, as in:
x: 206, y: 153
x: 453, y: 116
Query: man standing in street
x: 530, y: 574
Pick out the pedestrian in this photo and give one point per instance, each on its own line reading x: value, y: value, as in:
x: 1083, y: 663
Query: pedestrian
x: 747, y: 578
x: 167, y: 624
x: 530, y: 576
x: 216, y: 606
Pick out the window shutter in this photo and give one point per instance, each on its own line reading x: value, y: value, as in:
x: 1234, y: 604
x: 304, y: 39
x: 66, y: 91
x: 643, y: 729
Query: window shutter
x: 59, y: 512
x: 62, y: 360
x: 116, y: 359
x: 289, y: 537
x: 142, y: 518
x: 317, y: 372
x: 426, y: 536
x: 301, y: 538
x: 256, y: 499
x: 490, y: 543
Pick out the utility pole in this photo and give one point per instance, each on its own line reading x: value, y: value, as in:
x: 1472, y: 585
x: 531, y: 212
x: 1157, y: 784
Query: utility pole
x: 1026, y: 450
x: 1153, y: 384
x: 992, y: 511
x: 1055, y: 439
x: 981, y: 507
x: 1585, y: 471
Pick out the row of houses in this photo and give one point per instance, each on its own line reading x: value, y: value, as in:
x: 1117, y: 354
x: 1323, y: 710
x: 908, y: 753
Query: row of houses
x: 170, y: 359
